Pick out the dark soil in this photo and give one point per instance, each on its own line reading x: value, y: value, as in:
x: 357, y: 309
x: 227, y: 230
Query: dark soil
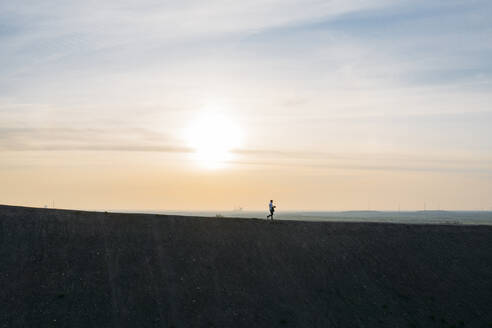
x: 85, y: 269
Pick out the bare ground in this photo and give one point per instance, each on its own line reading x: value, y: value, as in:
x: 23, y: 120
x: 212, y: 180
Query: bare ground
x: 85, y: 269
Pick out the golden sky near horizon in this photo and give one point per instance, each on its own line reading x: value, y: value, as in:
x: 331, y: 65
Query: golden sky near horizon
x: 341, y: 105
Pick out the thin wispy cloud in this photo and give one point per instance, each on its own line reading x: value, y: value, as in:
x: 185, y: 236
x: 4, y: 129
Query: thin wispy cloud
x: 69, y: 139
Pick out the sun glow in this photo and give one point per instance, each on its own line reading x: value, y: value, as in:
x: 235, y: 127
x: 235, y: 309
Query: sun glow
x: 212, y: 136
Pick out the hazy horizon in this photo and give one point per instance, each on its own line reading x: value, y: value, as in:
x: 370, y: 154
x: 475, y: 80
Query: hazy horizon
x: 193, y: 106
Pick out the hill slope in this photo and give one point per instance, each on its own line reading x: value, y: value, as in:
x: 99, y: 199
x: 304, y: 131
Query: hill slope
x: 84, y: 269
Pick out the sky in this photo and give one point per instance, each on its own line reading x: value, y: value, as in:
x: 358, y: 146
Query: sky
x: 212, y: 105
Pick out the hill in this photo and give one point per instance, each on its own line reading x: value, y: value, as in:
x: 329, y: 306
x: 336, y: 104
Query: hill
x: 88, y: 269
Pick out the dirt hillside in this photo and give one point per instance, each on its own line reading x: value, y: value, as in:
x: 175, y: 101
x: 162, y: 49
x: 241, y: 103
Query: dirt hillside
x: 86, y: 269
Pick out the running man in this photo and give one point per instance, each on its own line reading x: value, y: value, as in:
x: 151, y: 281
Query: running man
x: 272, y: 209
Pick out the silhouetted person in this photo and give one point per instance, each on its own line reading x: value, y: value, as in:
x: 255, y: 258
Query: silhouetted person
x: 272, y: 209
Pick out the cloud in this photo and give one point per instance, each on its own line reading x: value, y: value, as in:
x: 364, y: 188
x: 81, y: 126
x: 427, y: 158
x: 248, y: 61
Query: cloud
x: 61, y: 28
x: 141, y: 140
x: 364, y: 166
x: 368, y: 161
x: 66, y: 139
x: 302, y: 74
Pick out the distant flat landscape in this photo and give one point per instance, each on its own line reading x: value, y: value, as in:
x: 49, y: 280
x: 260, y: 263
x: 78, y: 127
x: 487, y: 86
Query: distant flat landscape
x: 409, y: 217
x: 65, y: 268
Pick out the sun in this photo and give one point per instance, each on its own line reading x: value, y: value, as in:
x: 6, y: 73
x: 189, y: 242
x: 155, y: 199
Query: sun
x: 212, y: 136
